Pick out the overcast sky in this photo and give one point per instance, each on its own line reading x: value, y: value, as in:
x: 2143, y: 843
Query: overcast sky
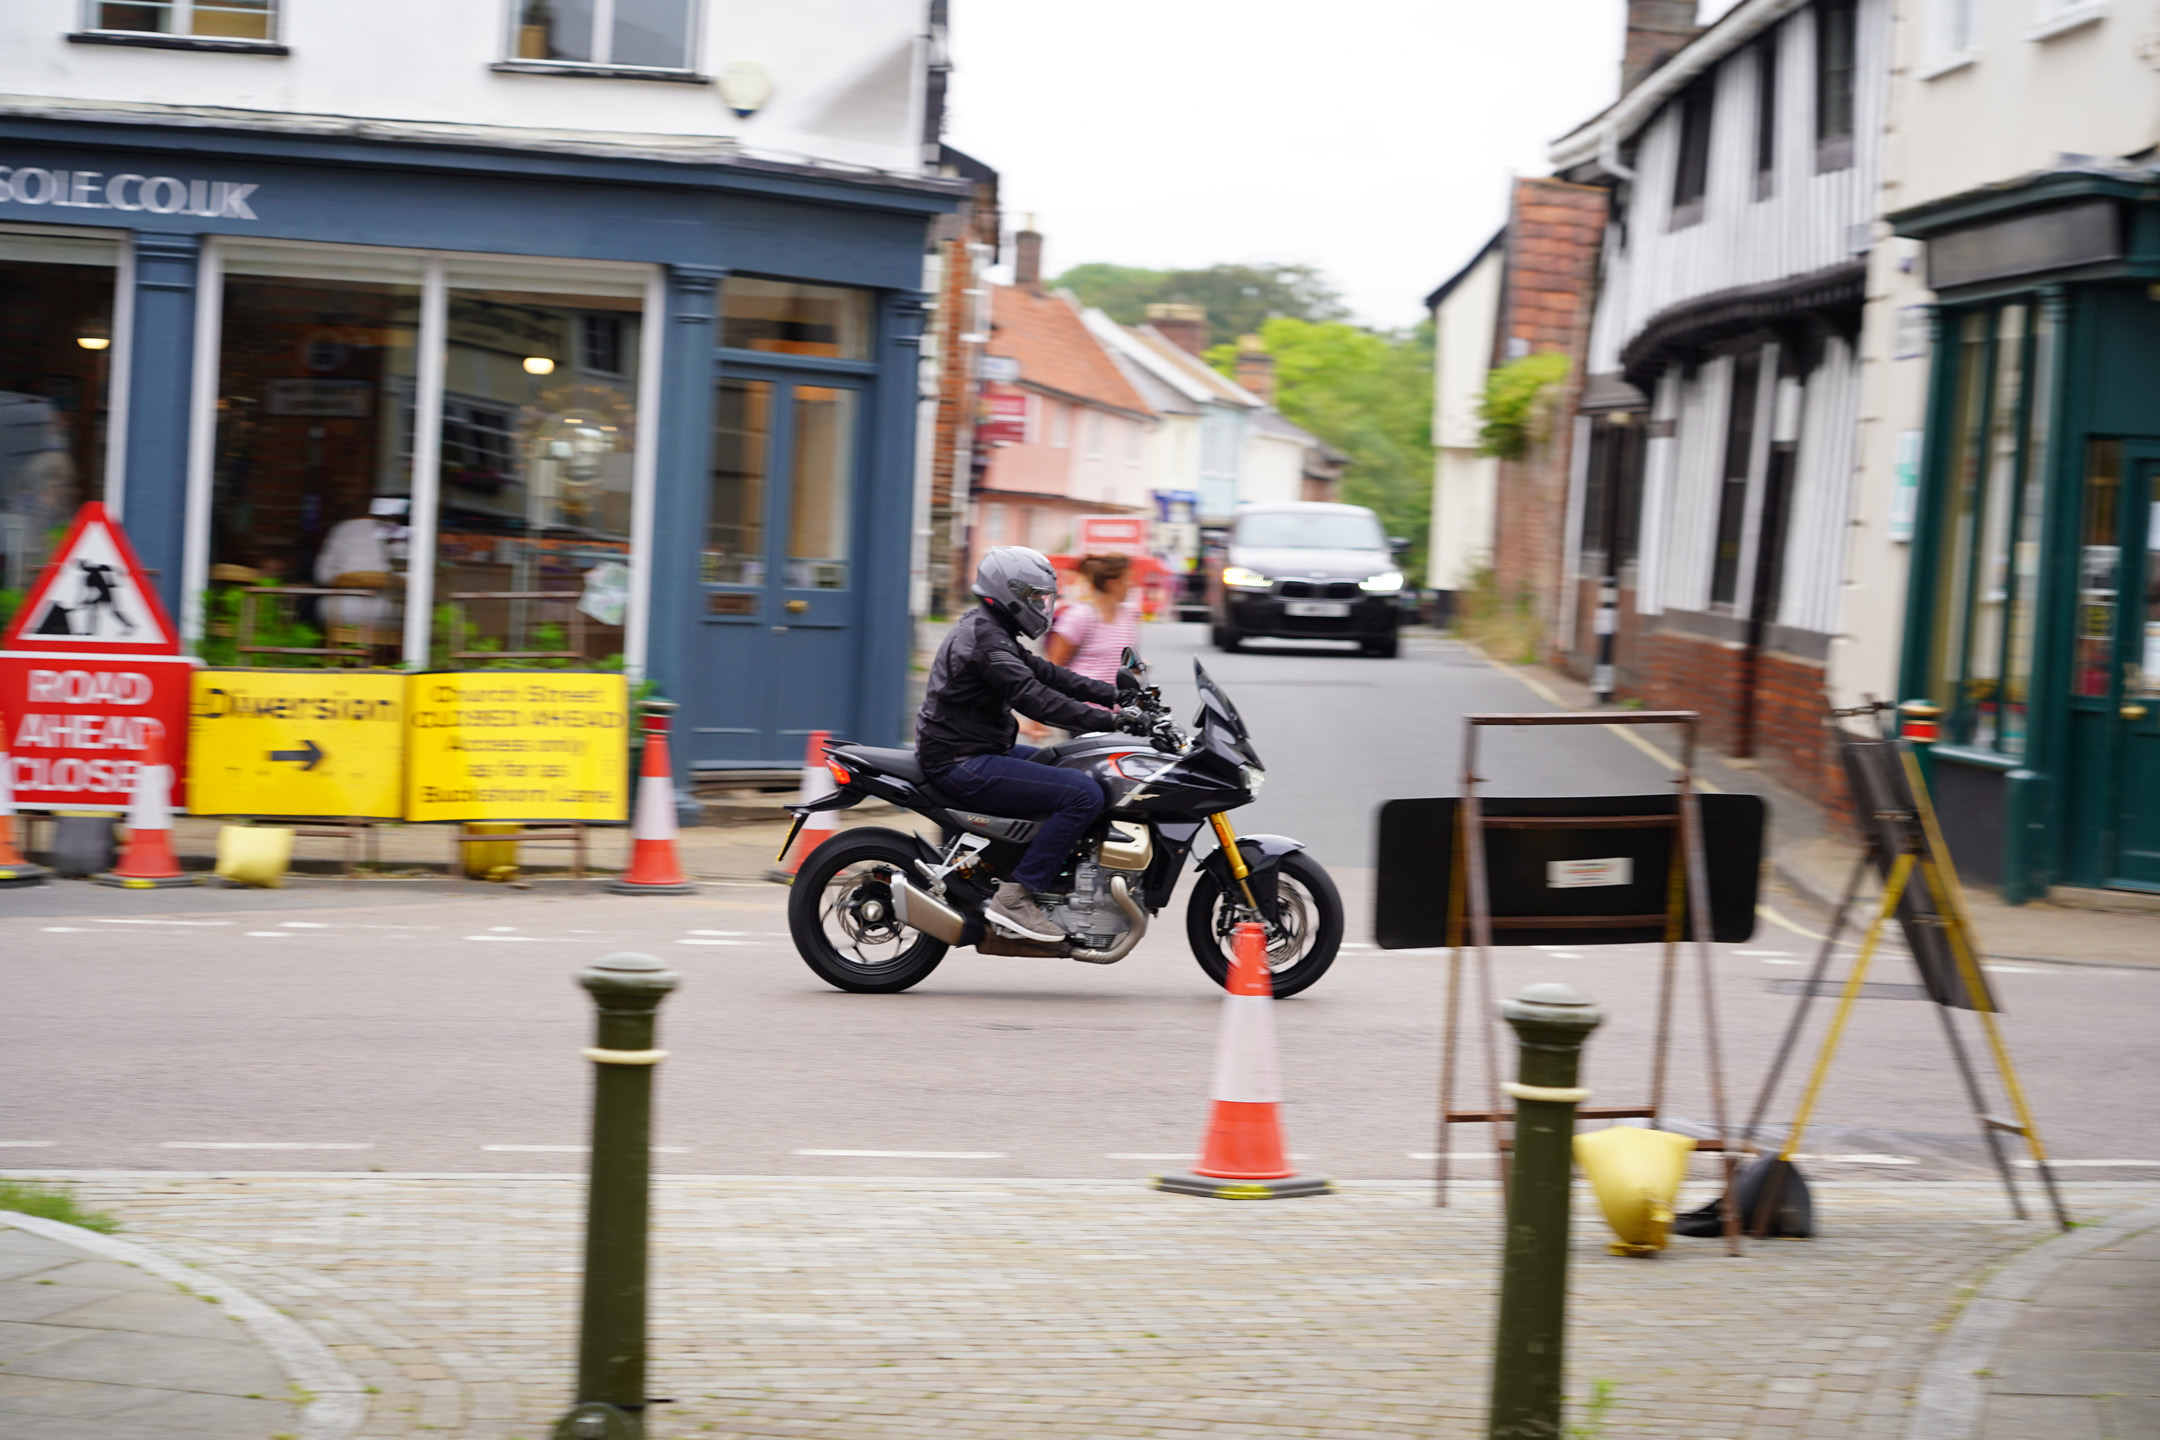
x: 1372, y: 138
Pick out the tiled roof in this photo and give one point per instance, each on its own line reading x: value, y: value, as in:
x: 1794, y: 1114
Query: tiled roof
x: 1220, y: 387
x: 1055, y: 350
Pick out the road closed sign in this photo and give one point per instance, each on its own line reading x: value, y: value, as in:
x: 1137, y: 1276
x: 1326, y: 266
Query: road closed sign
x: 510, y: 745
x: 75, y: 727
x: 297, y: 742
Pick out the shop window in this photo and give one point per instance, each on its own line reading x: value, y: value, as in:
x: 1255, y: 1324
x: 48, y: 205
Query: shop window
x: 56, y: 364
x: 784, y: 318
x: 1691, y: 167
x: 629, y: 34
x: 539, y: 449
x: 201, y: 19
x: 1988, y: 524
x: 1836, y: 61
x: 2099, y: 572
x: 312, y: 474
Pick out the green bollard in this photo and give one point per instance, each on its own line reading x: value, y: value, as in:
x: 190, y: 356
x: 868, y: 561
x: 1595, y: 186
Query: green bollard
x: 1551, y: 1022
x: 610, y: 1405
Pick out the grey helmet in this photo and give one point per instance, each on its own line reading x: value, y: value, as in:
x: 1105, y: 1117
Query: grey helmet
x: 1020, y: 585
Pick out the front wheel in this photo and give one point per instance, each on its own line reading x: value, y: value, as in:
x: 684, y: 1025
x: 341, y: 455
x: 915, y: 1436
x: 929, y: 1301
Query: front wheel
x: 840, y: 912
x: 1303, y: 936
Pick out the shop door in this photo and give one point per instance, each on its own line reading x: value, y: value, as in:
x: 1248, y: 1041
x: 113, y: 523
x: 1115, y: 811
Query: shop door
x: 2137, y: 699
x: 776, y: 649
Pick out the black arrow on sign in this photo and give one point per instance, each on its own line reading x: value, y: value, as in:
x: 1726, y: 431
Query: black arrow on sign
x: 310, y: 756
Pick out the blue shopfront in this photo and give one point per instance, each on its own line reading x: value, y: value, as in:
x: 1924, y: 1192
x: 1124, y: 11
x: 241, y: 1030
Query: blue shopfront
x: 608, y: 410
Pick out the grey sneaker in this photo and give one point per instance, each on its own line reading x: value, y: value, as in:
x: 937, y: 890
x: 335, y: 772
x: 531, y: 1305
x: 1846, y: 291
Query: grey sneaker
x: 1014, y: 910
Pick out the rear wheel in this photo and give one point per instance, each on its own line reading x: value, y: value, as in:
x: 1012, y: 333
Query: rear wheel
x: 1303, y: 935
x: 840, y: 913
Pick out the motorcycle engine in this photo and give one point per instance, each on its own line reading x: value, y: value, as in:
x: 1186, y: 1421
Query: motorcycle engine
x: 1088, y: 916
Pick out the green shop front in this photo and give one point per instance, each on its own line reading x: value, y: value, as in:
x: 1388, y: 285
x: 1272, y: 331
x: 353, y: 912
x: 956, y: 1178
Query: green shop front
x: 2034, y: 614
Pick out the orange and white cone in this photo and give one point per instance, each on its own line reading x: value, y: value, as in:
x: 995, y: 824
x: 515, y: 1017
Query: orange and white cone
x: 654, y: 870
x: 1243, y: 1158
x: 817, y: 783
x: 147, y: 861
x: 15, y: 869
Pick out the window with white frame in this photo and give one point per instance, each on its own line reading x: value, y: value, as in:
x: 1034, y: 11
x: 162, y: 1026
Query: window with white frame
x: 1954, y: 29
x: 1094, y: 447
x: 618, y: 34
x: 1060, y: 424
x: 198, y: 19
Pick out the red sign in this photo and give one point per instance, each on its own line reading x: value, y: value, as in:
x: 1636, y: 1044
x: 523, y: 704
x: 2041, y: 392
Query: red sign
x: 91, y: 669
x: 1003, y: 420
x: 1111, y: 535
x: 76, y: 725
x: 93, y: 597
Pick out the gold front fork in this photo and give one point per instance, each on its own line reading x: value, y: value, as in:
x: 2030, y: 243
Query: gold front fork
x: 1228, y: 841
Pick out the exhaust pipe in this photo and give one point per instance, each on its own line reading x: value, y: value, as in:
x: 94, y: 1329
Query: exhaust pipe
x: 1136, y: 927
x: 924, y: 912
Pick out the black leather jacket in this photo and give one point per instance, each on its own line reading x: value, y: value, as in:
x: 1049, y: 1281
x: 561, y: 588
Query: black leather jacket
x: 981, y: 675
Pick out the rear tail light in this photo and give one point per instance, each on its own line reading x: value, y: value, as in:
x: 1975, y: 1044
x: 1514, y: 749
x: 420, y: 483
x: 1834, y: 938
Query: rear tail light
x: 839, y: 772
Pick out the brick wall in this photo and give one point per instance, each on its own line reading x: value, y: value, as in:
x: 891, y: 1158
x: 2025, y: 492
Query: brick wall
x: 1688, y: 672
x: 1552, y: 247
x: 955, y: 426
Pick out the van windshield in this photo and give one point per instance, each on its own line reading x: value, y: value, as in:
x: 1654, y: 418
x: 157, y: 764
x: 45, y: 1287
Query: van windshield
x: 1289, y: 530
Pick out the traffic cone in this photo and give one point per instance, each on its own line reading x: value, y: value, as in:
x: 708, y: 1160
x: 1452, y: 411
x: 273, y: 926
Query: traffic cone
x: 817, y: 783
x: 1243, y: 1157
x: 654, y: 869
x: 14, y: 868
x: 146, y: 860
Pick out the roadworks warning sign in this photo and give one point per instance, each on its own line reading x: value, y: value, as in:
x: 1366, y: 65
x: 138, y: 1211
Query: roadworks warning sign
x: 323, y: 743
x: 506, y: 745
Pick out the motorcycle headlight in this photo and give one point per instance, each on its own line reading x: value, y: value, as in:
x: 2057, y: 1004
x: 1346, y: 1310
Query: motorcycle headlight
x: 1386, y: 580
x: 1237, y: 577
x: 1255, y: 777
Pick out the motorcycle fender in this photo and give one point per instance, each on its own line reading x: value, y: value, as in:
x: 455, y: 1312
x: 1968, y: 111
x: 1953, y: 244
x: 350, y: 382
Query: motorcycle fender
x: 838, y: 800
x: 1263, y: 854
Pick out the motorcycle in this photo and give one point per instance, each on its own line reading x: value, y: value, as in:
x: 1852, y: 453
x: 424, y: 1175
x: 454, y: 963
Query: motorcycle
x: 875, y: 910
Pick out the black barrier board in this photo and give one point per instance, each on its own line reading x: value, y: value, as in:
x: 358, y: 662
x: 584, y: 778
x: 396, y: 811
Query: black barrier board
x: 1883, y: 795
x: 1417, y: 859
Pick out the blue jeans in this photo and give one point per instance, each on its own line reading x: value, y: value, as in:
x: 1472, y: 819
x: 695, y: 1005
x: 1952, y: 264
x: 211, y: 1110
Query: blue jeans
x: 1011, y: 785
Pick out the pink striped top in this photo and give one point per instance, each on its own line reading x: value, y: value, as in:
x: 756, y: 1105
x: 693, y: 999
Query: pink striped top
x: 1097, y: 643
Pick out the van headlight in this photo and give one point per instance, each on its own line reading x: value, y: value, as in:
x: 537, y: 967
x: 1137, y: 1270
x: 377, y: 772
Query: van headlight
x: 1255, y: 777
x: 1237, y: 577
x: 1386, y: 581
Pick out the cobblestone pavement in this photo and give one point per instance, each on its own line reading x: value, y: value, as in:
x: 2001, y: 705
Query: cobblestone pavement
x: 857, y: 1308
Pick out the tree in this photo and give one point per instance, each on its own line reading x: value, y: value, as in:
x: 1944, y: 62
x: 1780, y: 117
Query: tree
x: 1368, y: 393
x: 1239, y: 299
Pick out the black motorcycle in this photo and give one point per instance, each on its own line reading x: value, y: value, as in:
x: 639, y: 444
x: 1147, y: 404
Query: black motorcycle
x: 874, y: 910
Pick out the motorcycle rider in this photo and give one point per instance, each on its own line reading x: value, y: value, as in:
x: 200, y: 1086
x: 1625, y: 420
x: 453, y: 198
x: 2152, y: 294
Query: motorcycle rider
x: 964, y: 733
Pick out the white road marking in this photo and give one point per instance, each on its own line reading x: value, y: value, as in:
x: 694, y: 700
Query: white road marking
x: 1764, y: 954
x: 502, y: 927
x: 1145, y: 1155
x: 304, y: 925
x: 2014, y: 969
x: 1860, y: 1159
x: 263, y: 1145
x: 1564, y: 955
x: 579, y: 1149
x: 65, y: 929
x: 1454, y: 1154
x: 531, y: 939
x: 712, y: 942
x: 1355, y: 945
x: 2031, y: 1164
x: 721, y: 932
x: 109, y: 920
x: 266, y: 934
x: 915, y: 1154
x: 26, y: 1144
x: 1784, y: 962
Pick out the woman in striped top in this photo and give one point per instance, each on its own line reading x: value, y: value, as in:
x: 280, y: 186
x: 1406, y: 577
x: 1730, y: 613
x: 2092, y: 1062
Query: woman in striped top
x: 1093, y: 631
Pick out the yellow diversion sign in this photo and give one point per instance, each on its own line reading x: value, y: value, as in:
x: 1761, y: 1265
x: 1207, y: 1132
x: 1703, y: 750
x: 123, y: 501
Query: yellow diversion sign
x: 296, y: 742
x: 502, y: 745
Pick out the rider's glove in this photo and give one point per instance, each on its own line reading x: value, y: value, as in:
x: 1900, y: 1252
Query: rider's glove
x: 1132, y: 720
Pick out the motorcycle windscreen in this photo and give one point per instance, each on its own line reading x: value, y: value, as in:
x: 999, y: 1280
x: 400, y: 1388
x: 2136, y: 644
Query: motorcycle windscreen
x: 1564, y: 874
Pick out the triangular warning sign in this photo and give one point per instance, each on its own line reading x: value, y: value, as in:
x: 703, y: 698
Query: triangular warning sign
x: 93, y: 597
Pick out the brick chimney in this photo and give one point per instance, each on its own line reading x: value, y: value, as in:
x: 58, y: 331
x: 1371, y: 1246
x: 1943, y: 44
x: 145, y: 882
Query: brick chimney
x: 1255, y: 367
x: 1027, y: 258
x: 1656, y: 31
x: 1184, y: 326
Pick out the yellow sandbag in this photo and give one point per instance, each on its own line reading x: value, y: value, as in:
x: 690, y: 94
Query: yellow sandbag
x: 495, y: 860
x: 1637, y: 1175
x: 254, y: 854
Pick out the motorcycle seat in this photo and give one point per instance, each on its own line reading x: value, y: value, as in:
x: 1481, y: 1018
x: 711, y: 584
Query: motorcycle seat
x: 900, y: 764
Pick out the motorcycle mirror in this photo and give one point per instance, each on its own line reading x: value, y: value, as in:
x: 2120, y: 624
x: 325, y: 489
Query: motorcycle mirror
x: 1132, y: 671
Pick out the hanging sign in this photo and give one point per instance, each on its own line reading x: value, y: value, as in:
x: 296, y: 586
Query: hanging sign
x: 517, y: 745
x: 324, y: 743
x: 89, y: 669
